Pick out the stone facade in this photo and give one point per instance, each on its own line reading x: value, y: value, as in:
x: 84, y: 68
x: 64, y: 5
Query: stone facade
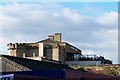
x: 18, y: 49
x: 52, y: 48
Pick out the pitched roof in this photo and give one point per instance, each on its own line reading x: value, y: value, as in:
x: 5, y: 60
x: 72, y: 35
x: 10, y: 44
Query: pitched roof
x: 47, y: 40
x: 35, y: 64
x: 55, y: 42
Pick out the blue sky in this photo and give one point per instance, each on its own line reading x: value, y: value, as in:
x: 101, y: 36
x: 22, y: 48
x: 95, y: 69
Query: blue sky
x: 95, y: 8
x: 91, y: 26
x: 104, y: 6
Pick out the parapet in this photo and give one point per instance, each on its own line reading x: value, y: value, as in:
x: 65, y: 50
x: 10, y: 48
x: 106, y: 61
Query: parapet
x: 21, y: 45
x: 15, y: 45
x: 10, y: 46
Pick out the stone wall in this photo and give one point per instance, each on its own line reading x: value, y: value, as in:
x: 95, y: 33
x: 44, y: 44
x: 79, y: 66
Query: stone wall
x: 55, y: 53
x: 18, y: 49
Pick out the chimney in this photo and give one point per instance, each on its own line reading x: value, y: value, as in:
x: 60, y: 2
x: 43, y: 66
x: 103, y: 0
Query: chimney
x: 51, y: 37
x: 57, y: 37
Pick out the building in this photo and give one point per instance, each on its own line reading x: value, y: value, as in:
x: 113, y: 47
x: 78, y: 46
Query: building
x: 47, y: 59
x: 49, y: 49
x: 89, y: 60
x: 54, y: 50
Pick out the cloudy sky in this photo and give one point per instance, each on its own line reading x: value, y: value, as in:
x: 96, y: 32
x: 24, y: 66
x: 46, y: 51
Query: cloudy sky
x: 91, y: 26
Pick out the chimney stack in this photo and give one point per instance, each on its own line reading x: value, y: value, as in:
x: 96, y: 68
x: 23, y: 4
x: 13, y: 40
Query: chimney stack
x: 57, y: 37
x: 51, y: 37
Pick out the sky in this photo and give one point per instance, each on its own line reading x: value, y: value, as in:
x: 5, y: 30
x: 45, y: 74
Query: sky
x: 90, y: 26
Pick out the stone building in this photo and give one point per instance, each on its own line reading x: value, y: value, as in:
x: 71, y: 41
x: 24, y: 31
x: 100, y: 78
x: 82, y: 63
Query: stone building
x: 54, y: 50
x: 51, y: 49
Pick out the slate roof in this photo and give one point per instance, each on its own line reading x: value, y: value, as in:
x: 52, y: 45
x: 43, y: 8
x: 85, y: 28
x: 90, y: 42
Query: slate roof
x: 35, y: 64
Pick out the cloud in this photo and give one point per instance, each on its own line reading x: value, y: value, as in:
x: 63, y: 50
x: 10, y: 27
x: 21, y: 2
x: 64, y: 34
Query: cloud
x: 25, y: 19
x: 33, y: 22
x: 89, y: 52
x: 106, y: 46
x: 2, y: 51
x: 110, y: 37
x: 109, y: 19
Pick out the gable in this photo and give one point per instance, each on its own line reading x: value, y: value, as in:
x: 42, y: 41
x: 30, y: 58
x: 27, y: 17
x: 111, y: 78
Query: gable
x: 46, y: 41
